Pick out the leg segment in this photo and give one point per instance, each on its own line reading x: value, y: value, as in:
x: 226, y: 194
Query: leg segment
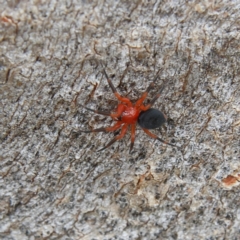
x: 107, y: 129
x: 150, y: 87
x: 117, y: 95
x: 156, y: 137
x: 120, y: 110
x: 98, y: 112
x: 116, y: 114
x: 144, y: 108
x: 133, y: 130
x: 157, y: 96
x: 144, y: 95
x: 122, y: 134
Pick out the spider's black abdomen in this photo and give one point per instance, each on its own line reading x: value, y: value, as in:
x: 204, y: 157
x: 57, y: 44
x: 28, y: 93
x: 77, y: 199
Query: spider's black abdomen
x: 150, y: 119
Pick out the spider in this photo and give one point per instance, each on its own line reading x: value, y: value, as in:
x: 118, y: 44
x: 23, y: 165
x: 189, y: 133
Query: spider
x: 128, y: 113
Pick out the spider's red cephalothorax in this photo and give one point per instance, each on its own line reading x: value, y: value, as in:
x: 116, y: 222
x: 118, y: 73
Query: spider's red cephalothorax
x: 128, y: 113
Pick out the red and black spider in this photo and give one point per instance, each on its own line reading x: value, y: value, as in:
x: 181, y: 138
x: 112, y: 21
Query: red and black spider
x: 128, y: 113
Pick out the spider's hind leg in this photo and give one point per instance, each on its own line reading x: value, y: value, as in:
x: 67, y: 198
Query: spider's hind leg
x: 156, y: 137
x: 133, y: 133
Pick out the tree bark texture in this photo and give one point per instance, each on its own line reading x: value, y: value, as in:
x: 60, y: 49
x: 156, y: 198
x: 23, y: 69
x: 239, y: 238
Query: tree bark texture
x: 53, y: 182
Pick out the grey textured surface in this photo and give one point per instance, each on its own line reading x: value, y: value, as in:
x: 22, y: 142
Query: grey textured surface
x: 53, y: 182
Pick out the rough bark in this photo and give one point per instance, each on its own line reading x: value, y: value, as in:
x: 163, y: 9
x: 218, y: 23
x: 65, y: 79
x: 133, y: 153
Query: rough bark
x: 53, y: 182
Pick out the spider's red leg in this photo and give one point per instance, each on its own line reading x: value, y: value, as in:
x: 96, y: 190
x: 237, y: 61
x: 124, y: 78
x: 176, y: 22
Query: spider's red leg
x: 133, y: 131
x: 150, y: 87
x: 157, y: 96
x: 98, y: 112
x: 121, y: 135
x: 156, y: 137
x: 117, y: 95
x: 116, y: 126
x: 144, y: 95
x: 118, y: 113
x: 144, y: 108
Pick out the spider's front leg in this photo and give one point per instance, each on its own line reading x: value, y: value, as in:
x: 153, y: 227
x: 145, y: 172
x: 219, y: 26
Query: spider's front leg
x: 116, y: 114
x: 115, y: 127
x: 121, y: 135
x: 97, y: 111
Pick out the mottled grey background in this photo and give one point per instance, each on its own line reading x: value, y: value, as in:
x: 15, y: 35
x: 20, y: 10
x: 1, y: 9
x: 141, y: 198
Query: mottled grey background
x: 53, y: 182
